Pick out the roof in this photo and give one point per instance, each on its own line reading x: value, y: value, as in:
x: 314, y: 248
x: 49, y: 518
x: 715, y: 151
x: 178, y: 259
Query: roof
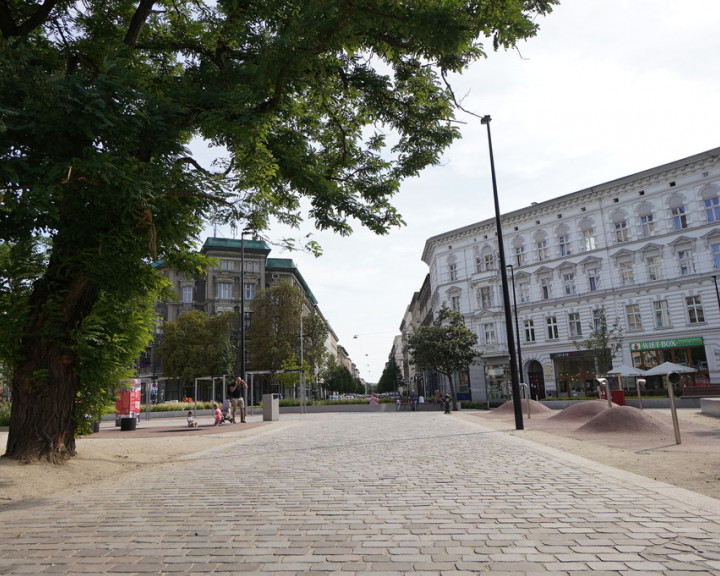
x: 288, y: 266
x: 234, y: 245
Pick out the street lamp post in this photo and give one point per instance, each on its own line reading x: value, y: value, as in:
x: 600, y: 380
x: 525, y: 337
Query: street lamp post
x: 517, y: 324
x: 506, y: 292
x: 242, y: 303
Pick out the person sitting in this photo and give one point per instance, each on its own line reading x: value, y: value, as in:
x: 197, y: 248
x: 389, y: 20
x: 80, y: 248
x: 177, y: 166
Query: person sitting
x: 192, y: 423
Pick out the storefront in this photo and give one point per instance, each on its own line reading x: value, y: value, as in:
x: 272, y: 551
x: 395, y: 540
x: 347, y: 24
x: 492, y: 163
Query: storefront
x: 575, y: 373
x: 498, y: 382
x: 685, y: 351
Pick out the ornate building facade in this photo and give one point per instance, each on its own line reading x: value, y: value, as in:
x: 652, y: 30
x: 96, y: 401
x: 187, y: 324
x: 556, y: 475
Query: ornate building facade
x: 644, y: 248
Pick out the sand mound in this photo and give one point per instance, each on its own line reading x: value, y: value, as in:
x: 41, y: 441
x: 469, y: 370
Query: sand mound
x: 581, y: 411
x: 623, y: 419
x: 508, y: 409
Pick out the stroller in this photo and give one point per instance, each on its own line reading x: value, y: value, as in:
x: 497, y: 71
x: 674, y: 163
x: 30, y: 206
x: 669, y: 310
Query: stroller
x: 226, y: 412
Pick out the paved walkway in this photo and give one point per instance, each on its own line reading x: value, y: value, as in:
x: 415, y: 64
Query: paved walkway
x: 358, y: 494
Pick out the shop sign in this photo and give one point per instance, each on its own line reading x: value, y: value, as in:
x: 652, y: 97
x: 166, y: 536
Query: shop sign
x: 673, y: 343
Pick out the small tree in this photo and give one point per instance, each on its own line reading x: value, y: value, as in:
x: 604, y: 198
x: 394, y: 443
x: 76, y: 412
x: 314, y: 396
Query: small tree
x: 446, y: 346
x: 603, y: 342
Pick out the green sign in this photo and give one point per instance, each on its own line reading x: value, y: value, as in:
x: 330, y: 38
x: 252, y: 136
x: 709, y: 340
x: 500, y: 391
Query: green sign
x: 672, y: 343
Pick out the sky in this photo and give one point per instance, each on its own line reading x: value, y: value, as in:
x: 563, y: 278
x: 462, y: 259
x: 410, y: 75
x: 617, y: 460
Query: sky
x: 606, y: 89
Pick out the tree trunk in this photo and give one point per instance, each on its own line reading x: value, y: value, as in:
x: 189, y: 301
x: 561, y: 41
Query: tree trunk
x: 45, y: 384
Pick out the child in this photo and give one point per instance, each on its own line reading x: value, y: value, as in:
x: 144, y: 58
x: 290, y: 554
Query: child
x: 218, y: 414
x: 192, y: 423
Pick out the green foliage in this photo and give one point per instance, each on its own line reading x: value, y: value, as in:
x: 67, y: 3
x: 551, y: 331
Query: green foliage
x: 4, y: 413
x: 198, y: 345
x: 274, y: 334
x: 604, y: 342
x: 316, y: 105
x: 390, y: 378
x: 338, y: 379
x: 446, y: 346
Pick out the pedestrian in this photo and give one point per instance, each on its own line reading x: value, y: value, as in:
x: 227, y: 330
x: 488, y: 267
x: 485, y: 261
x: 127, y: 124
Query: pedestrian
x: 218, y: 414
x: 236, y: 398
x: 192, y: 423
x: 373, y: 399
x: 413, y: 400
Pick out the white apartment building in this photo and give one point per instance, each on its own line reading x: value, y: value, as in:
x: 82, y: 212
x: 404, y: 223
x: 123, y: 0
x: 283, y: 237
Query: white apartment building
x: 645, y: 248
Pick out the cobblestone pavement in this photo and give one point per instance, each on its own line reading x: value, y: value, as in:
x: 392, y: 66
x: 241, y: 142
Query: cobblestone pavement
x: 388, y: 494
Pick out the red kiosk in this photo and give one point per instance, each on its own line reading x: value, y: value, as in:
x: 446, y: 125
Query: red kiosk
x: 127, y: 404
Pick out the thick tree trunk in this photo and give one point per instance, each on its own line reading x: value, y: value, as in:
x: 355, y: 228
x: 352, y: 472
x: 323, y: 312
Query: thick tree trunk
x: 45, y: 384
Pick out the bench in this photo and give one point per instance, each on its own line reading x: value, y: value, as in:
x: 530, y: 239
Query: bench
x: 701, y: 391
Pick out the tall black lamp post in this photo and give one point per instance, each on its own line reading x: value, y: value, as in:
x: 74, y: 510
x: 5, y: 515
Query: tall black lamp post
x: 517, y: 324
x: 242, y: 303
x: 506, y: 292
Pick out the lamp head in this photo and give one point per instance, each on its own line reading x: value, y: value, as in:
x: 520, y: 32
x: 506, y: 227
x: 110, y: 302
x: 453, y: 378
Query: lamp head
x: 485, y: 120
x: 674, y: 378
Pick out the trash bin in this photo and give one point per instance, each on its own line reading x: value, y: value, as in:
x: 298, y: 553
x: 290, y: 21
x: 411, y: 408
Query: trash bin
x: 271, y: 407
x: 618, y: 397
x: 128, y: 423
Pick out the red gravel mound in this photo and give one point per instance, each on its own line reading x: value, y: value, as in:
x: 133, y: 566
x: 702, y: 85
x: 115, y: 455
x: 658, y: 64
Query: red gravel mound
x: 508, y: 408
x: 581, y: 411
x: 624, y: 419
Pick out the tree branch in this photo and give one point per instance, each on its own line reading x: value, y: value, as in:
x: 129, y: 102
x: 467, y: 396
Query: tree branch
x: 137, y: 22
x: 8, y: 26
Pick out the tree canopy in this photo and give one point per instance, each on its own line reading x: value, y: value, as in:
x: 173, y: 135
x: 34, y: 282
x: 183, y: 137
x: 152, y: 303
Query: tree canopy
x: 390, y: 378
x: 198, y: 345
x: 446, y: 346
x: 333, y: 102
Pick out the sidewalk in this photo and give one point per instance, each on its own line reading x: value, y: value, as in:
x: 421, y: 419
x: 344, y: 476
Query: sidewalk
x: 358, y: 494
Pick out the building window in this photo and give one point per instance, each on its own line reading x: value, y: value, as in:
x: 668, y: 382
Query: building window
x: 694, y: 308
x: 588, y: 239
x: 621, y: 233
x: 627, y: 275
x: 524, y: 291
x: 529, y: 330
x: 489, y: 333
x: 679, y: 218
x: 187, y: 294
x: 455, y: 303
x: 489, y: 262
x: 224, y: 290
x: 662, y: 314
x: 633, y: 317
x: 453, y: 271
x: 252, y: 266
x: 712, y: 208
x: 564, y: 243
x: 687, y: 264
x: 647, y: 225
x: 654, y: 268
x: 574, y: 324
x: 249, y: 290
x: 542, y: 250
x: 716, y: 255
x: 546, y: 289
x: 597, y: 316
x: 569, y: 283
x: 552, y: 327
x: 486, y: 299
x: 520, y: 255
x: 594, y: 280
x: 228, y: 265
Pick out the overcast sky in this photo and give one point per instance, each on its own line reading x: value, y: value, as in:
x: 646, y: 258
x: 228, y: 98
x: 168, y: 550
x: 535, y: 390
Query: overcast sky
x: 607, y: 88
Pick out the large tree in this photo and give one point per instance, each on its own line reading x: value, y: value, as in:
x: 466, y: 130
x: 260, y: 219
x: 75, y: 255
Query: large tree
x: 446, y: 346
x: 334, y: 101
x: 274, y: 336
x: 198, y: 345
x: 390, y: 378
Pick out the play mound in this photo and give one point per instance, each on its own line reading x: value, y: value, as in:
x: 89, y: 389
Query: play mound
x: 581, y: 411
x: 508, y: 409
x: 623, y: 419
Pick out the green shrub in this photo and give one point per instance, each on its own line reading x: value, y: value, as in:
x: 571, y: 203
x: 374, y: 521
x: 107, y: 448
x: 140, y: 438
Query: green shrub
x: 467, y: 405
x: 4, y: 413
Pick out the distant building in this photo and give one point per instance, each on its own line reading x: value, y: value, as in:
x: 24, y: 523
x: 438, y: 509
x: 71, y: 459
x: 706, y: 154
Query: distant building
x: 645, y: 248
x: 226, y: 289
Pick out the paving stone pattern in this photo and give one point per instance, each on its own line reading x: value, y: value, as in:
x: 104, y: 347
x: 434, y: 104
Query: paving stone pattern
x: 384, y: 494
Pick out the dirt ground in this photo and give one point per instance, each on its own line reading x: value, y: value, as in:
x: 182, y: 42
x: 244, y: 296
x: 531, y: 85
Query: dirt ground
x: 642, y: 442
x: 634, y: 440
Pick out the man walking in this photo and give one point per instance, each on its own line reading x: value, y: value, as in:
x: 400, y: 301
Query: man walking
x: 237, y: 389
